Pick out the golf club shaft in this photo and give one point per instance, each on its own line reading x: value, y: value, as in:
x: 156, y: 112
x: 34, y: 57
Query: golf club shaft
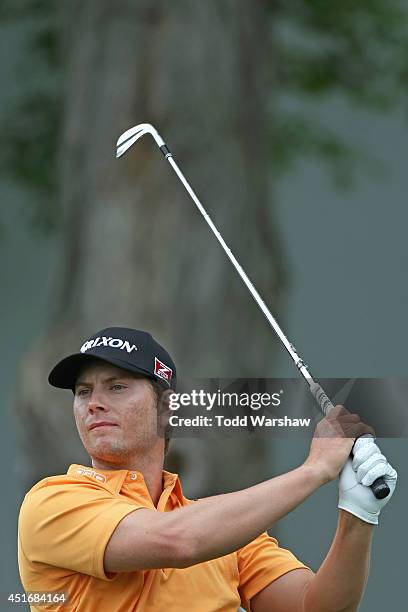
x: 316, y: 389
x: 379, y: 487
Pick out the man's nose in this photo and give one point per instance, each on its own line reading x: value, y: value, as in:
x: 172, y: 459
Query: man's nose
x: 96, y: 402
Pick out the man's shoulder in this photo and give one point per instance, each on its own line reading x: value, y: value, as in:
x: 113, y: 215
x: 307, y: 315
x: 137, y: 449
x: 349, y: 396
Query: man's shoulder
x: 76, y: 480
x: 47, y: 481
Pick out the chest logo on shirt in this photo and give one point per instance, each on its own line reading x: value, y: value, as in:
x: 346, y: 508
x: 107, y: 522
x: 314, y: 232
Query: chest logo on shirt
x: 91, y: 474
x: 162, y: 371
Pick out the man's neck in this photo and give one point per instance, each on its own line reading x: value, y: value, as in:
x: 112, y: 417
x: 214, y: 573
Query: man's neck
x: 151, y: 468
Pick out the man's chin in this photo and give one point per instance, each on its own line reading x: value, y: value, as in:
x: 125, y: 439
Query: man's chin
x: 106, y: 452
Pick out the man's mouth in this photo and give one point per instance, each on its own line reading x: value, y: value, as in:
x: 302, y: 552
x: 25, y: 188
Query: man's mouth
x: 101, y: 424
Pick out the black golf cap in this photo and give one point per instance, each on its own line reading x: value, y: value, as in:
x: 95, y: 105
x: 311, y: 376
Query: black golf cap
x: 130, y: 349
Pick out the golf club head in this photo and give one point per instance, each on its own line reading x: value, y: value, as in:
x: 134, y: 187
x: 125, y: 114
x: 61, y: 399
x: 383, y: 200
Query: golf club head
x: 128, y: 138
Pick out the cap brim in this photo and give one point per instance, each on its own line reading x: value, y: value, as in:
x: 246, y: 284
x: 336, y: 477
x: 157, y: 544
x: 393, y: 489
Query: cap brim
x: 65, y: 373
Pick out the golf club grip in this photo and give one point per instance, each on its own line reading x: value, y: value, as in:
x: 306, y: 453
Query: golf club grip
x: 379, y: 487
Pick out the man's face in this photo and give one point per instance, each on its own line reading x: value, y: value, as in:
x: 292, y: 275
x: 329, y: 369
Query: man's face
x: 124, y: 401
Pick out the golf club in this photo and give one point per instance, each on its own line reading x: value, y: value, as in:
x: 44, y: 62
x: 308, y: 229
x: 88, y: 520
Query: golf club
x: 125, y: 141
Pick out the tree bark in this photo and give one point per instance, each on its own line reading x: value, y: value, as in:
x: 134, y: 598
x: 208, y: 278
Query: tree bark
x: 134, y: 250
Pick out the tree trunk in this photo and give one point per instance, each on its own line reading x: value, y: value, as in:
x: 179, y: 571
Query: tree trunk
x: 134, y: 250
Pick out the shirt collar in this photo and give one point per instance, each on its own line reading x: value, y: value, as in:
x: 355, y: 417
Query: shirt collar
x: 115, y: 479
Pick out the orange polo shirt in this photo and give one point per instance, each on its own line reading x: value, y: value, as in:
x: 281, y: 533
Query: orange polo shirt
x: 65, y: 524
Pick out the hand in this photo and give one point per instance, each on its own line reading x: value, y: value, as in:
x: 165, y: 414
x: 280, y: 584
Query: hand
x: 358, y: 474
x: 333, y: 440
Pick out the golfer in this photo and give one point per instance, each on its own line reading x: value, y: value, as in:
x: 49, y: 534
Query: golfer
x: 118, y: 535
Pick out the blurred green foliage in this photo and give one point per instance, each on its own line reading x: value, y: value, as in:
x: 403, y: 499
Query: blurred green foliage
x: 32, y: 114
x: 357, y: 49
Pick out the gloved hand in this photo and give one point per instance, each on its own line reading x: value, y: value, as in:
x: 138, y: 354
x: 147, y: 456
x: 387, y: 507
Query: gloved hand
x: 358, y: 474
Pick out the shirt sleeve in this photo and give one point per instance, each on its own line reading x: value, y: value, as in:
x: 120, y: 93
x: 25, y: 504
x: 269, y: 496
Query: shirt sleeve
x: 261, y: 562
x: 69, y: 526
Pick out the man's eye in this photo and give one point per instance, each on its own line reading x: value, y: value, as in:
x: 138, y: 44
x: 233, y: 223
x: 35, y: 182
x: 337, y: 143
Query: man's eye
x: 82, y: 392
x: 118, y: 387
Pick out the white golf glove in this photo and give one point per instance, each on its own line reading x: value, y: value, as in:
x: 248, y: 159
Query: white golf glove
x: 358, y: 474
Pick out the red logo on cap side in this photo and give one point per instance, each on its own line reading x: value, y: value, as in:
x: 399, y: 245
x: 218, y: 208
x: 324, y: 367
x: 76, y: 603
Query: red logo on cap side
x: 162, y: 371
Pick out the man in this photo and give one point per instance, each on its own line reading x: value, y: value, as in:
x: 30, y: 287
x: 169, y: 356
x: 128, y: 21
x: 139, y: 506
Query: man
x: 120, y: 535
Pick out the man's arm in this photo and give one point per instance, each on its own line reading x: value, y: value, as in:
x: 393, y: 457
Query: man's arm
x: 210, y: 528
x: 339, y: 584
x: 217, y: 526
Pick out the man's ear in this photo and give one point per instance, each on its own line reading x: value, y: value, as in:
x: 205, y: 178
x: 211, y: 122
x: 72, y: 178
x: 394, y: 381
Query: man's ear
x: 163, y: 412
x: 165, y: 400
